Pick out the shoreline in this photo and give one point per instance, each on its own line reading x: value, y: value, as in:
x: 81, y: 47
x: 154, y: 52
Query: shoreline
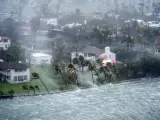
x: 4, y: 97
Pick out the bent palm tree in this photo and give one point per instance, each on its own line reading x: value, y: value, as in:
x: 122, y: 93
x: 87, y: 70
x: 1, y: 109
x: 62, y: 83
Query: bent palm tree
x: 58, y: 70
x: 37, y: 88
x: 26, y: 88
x: 36, y: 76
x: 71, y: 68
x: 32, y: 88
x: 11, y: 92
x: 91, y: 68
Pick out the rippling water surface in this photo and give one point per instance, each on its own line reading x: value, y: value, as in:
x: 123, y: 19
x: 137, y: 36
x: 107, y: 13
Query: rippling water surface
x: 139, y: 100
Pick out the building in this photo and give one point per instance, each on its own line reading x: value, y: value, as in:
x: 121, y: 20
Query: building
x: 89, y: 53
x: 40, y: 58
x: 14, y: 72
x: 108, y: 57
x: 4, y: 42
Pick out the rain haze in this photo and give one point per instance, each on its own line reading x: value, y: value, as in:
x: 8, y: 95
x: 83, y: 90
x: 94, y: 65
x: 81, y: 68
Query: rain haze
x: 79, y: 59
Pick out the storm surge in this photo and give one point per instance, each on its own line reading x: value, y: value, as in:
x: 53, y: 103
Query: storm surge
x: 136, y: 100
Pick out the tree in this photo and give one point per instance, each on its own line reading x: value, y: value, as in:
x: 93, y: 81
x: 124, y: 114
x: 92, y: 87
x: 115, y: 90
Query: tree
x: 1, y: 94
x: 32, y: 88
x: 91, y: 68
x: 37, y: 88
x: 81, y: 60
x: 36, y: 76
x: 71, y: 68
x: 41, y: 8
x: 11, y: 92
x: 10, y: 29
x: 58, y: 6
x: 35, y: 23
x: 128, y: 40
x: 26, y: 88
x: 156, y: 8
x: 58, y: 70
x: 17, y: 53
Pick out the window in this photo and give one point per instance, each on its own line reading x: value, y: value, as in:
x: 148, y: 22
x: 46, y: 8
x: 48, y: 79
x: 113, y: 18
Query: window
x: 25, y: 77
x: 20, y: 78
x: 8, y: 77
x: 6, y: 46
x: 15, y: 78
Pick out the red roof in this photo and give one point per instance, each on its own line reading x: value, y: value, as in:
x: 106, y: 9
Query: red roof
x: 3, y: 38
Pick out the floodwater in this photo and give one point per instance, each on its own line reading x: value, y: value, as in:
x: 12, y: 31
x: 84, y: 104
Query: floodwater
x: 137, y: 100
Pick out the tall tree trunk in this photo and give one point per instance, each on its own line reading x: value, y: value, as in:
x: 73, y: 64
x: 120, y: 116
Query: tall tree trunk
x: 44, y: 85
x: 92, y: 77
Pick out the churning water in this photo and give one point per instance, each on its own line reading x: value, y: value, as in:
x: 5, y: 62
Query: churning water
x: 138, y: 100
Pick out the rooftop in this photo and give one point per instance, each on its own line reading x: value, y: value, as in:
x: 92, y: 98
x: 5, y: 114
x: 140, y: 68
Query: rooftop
x: 92, y: 50
x: 6, y: 65
x: 40, y: 55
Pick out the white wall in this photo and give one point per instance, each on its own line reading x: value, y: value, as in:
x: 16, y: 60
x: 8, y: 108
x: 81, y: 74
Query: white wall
x: 5, y: 45
x: 41, y: 60
x: 12, y: 74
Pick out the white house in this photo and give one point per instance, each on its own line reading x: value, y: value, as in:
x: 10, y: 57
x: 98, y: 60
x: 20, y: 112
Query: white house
x: 4, y: 43
x: 41, y: 58
x: 89, y: 53
x: 108, y: 56
x: 14, y: 72
x: 50, y: 21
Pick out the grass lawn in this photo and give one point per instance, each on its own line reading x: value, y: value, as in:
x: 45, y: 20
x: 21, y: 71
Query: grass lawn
x: 52, y: 82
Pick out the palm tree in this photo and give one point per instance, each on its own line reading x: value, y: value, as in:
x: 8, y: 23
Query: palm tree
x: 58, y: 70
x: 71, y: 68
x: 91, y: 68
x: 37, y: 88
x: 26, y: 88
x: 32, y: 88
x: 1, y: 94
x: 11, y: 92
x: 36, y: 76
x: 81, y: 59
x: 128, y: 40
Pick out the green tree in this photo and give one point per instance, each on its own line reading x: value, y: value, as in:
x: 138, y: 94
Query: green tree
x: 11, y: 92
x: 1, y: 94
x: 37, y: 76
x: 81, y: 60
x: 26, y: 88
x: 59, y: 71
x: 37, y: 88
x: 32, y: 88
x: 71, y: 68
x: 91, y: 68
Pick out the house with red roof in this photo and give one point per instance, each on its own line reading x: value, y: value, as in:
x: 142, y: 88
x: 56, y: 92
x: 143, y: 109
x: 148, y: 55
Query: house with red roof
x: 5, y: 42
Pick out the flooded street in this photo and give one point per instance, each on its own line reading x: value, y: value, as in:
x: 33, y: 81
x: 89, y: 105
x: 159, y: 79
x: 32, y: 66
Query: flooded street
x: 138, y: 100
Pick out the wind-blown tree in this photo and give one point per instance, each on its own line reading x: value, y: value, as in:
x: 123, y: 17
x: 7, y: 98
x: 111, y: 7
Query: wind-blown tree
x: 32, y: 88
x: 13, y: 54
x: 37, y: 76
x: 128, y: 40
x: 59, y: 71
x: 35, y: 23
x: 1, y: 94
x: 156, y: 8
x: 11, y: 92
x: 10, y: 29
x: 91, y: 68
x: 26, y: 88
x: 82, y: 62
x: 96, y: 33
x: 73, y: 76
x: 37, y: 88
